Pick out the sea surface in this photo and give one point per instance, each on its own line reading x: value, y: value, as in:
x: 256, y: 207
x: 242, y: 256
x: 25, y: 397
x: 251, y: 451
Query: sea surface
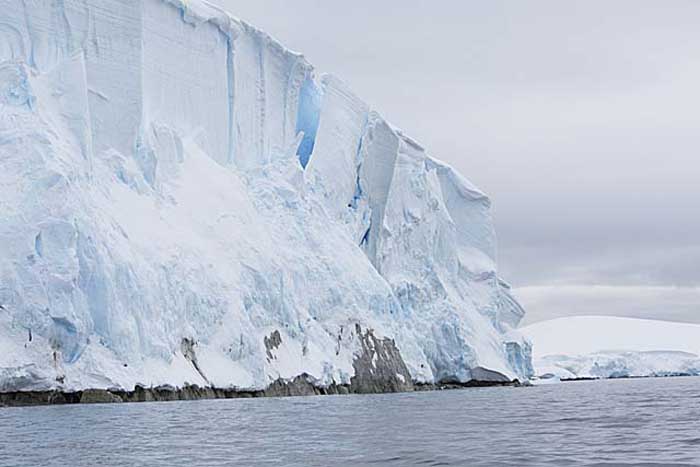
x: 621, y: 422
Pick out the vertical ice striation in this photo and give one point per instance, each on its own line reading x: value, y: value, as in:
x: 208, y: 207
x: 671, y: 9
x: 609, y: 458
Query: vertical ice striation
x: 268, y: 87
x: 183, y: 201
x: 380, y: 147
x: 44, y: 33
x: 249, y: 99
x: 174, y: 89
x: 335, y: 157
x: 113, y: 63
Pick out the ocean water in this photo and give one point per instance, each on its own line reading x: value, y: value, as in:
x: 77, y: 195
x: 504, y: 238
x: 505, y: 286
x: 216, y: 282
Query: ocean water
x: 622, y: 422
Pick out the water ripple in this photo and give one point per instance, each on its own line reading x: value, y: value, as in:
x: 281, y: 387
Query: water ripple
x: 594, y: 423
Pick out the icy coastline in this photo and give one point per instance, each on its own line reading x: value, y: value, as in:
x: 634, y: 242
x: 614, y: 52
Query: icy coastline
x: 186, y: 203
x: 601, y: 347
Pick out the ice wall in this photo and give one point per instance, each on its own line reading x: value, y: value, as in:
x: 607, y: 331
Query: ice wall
x: 176, y: 187
x: 187, y: 85
x: 168, y: 63
x: 44, y: 33
x: 267, y: 87
x: 335, y: 158
x: 380, y: 147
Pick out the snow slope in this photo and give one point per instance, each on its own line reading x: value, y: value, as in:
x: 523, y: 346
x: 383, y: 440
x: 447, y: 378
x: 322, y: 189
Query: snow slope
x: 603, y: 347
x: 184, y: 201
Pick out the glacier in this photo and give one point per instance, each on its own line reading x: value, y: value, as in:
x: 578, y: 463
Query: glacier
x: 613, y: 347
x: 184, y: 201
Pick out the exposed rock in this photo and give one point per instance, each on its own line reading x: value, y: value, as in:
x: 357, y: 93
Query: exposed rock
x: 30, y: 398
x: 485, y: 375
x: 480, y: 377
x: 379, y: 366
x: 271, y: 343
x: 99, y: 396
x: 302, y: 385
x: 187, y: 347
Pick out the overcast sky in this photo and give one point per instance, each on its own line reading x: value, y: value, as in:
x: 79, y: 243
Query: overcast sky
x: 580, y: 118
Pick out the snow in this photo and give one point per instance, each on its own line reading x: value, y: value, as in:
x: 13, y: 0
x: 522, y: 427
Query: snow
x: 170, y: 174
x: 603, y: 347
x: 587, y: 334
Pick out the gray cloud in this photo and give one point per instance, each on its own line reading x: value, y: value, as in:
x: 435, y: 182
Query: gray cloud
x: 580, y: 119
x: 667, y: 303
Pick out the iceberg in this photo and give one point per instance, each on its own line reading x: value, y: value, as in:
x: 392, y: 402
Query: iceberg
x: 593, y: 347
x: 184, y: 201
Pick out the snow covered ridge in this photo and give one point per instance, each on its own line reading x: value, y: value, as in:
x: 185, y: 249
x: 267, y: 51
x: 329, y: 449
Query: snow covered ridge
x: 610, y: 347
x: 183, y: 201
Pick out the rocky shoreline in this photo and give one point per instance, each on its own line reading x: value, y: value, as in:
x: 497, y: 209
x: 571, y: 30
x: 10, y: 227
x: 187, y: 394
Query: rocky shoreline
x: 300, y: 386
x: 379, y: 368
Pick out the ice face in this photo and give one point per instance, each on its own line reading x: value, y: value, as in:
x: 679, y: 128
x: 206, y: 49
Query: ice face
x: 175, y: 186
x: 335, y: 158
x: 268, y: 84
x: 44, y: 34
x: 380, y: 147
x: 189, y: 96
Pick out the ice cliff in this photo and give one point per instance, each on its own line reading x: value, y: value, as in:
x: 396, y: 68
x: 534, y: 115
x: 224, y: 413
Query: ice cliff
x: 185, y: 201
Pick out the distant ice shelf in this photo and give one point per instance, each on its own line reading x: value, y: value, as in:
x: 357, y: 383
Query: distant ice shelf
x: 184, y: 201
x: 611, y: 347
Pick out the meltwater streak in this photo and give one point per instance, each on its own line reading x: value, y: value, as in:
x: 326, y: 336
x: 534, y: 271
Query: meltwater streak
x: 621, y: 422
